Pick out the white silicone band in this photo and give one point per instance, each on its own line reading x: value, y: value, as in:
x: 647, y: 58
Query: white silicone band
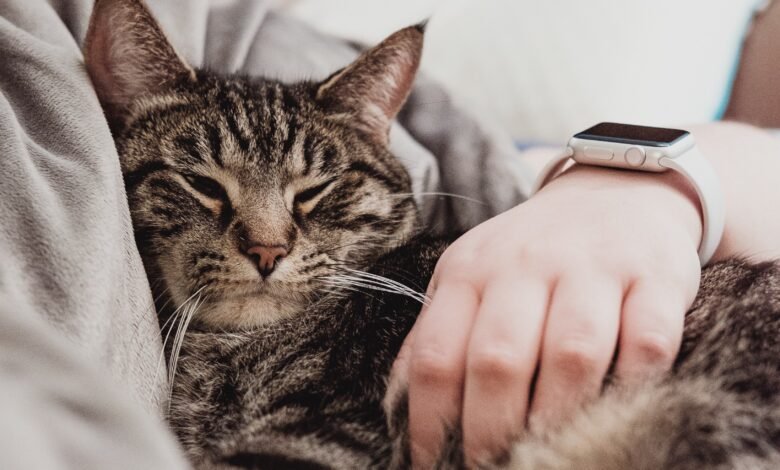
x: 697, y: 170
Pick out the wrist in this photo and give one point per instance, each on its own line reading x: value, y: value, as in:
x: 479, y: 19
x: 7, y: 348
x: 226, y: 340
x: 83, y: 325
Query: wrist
x: 667, y: 193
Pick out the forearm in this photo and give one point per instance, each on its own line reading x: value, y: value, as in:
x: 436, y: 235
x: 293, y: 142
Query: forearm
x: 747, y: 161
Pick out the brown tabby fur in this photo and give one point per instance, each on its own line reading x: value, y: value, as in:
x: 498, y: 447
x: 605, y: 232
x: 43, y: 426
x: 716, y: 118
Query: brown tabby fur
x: 288, y: 370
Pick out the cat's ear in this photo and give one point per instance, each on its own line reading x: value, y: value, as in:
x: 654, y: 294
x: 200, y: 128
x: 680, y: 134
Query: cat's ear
x: 127, y: 55
x: 370, y: 91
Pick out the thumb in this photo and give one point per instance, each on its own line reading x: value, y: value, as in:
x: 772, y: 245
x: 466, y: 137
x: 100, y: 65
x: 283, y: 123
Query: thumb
x: 398, y: 382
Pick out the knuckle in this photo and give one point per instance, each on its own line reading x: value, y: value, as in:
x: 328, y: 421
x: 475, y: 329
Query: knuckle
x: 641, y: 272
x: 495, y: 365
x: 428, y: 366
x: 532, y: 252
x: 654, y: 349
x: 577, y: 360
x: 671, y: 270
x: 457, y: 262
x: 542, y: 256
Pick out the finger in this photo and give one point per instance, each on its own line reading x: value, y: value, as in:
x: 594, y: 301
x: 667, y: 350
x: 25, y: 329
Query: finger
x: 650, y: 332
x: 577, y: 347
x: 436, y: 369
x: 399, y: 373
x: 500, y: 364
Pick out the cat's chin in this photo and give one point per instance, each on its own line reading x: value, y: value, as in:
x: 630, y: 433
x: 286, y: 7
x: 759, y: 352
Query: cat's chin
x: 246, y: 312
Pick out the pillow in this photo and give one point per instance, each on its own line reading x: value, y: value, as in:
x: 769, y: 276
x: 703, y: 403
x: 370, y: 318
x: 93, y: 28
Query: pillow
x: 547, y: 69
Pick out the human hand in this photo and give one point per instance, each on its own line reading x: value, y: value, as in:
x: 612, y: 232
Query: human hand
x: 598, y: 260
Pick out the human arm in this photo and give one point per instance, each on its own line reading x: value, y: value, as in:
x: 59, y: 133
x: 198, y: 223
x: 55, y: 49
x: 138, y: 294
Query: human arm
x: 598, y: 260
x: 747, y: 160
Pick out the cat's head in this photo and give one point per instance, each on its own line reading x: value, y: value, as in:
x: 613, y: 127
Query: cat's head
x: 248, y: 193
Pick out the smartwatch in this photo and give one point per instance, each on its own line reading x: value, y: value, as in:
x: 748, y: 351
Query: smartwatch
x: 651, y: 149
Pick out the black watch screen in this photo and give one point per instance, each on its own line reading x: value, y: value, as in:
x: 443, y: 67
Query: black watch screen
x: 630, y: 134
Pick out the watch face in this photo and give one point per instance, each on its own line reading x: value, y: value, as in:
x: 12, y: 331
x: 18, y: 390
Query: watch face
x: 629, y: 134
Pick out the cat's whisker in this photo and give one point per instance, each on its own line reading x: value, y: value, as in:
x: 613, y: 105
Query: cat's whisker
x: 160, y: 295
x: 441, y: 194
x: 161, y: 359
x: 380, y: 279
x: 394, y: 270
x: 177, y: 313
x: 341, y: 290
x: 356, y: 278
x: 187, y: 314
x: 168, y: 324
x: 356, y: 285
x: 393, y: 238
x: 338, y: 264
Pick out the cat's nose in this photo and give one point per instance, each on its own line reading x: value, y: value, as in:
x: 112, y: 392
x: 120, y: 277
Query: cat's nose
x: 267, y: 257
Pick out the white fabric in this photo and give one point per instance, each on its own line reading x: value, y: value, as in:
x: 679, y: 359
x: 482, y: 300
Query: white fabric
x: 547, y: 69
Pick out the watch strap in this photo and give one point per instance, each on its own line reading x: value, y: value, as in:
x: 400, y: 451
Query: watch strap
x: 699, y: 172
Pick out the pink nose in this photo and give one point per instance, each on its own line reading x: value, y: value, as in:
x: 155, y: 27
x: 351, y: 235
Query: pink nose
x: 267, y: 257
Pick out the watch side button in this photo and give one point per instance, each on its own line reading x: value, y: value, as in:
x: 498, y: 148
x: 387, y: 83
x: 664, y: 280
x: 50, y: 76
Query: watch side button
x: 598, y: 153
x: 635, y: 156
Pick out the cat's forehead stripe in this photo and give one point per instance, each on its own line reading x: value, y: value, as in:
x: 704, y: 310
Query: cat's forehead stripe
x: 188, y: 145
x: 236, y: 130
x: 292, y: 130
x: 215, y: 144
x: 309, y: 143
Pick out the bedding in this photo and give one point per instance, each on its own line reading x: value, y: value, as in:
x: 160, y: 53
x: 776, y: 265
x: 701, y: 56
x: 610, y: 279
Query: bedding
x: 665, y: 62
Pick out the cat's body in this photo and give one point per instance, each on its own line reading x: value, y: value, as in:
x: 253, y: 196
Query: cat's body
x: 305, y: 389
x: 265, y: 213
x: 308, y: 392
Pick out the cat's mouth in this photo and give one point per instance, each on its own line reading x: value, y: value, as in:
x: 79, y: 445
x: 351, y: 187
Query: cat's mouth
x: 249, y: 309
x: 231, y: 297
x: 248, y: 303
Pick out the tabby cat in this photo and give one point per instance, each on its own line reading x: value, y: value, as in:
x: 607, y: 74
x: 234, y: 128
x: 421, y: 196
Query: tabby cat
x: 274, y: 219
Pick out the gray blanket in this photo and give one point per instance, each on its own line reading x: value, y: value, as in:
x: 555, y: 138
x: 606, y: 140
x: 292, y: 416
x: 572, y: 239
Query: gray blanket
x: 81, y: 374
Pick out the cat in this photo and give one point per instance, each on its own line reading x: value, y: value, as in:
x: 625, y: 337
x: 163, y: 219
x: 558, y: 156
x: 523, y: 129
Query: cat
x: 279, y: 232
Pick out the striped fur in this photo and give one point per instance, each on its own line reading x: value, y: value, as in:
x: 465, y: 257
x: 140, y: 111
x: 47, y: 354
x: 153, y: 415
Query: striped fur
x: 214, y: 165
x: 289, y: 174
x: 289, y: 370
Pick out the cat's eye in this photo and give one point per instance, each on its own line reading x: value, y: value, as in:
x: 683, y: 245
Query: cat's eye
x: 306, y: 200
x: 206, y: 186
x: 308, y: 194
